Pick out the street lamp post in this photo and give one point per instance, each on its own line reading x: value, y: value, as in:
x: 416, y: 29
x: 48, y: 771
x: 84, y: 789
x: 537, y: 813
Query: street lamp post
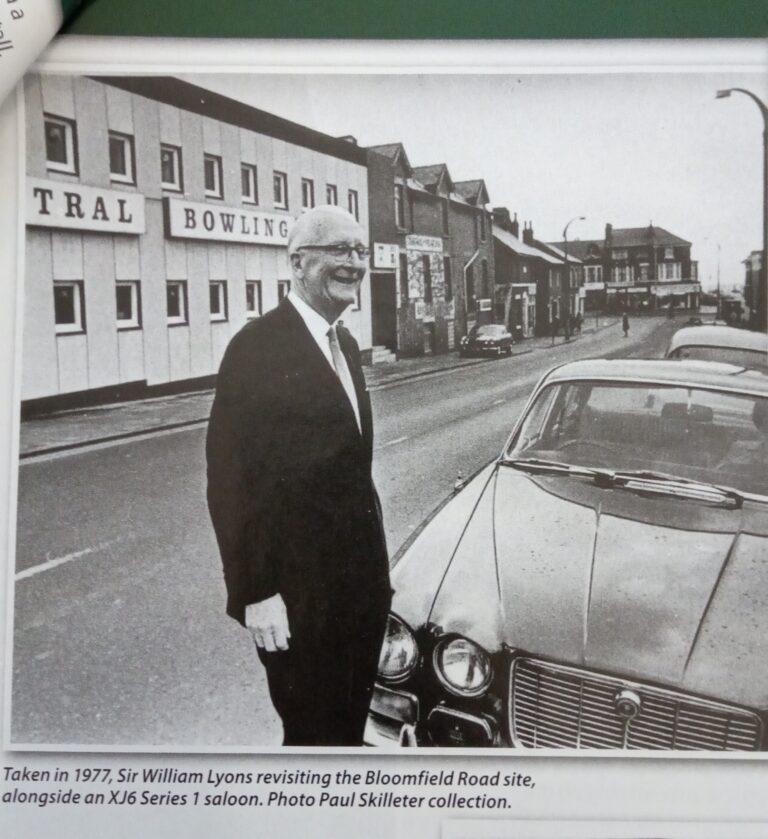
x: 759, y: 299
x: 568, y: 277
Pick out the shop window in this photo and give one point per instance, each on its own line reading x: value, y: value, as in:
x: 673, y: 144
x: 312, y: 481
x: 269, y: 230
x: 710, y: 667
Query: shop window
x: 353, y: 204
x: 283, y: 288
x: 253, y: 298
x: 280, y: 190
x: 249, y: 183
x: 218, y: 296
x: 170, y: 168
x: 213, y: 176
x: 427, y: 269
x: 331, y: 194
x: 176, y: 300
x: 68, y: 307
x: 127, y: 305
x: 447, y: 279
x: 400, y: 206
x: 404, y: 278
x: 122, y: 158
x: 307, y: 193
x: 60, y: 145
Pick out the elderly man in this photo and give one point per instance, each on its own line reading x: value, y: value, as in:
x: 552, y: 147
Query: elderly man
x: 291, y: 496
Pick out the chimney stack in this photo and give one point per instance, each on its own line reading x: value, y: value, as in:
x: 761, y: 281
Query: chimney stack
x: 528, y: 232
x: 515, y: 227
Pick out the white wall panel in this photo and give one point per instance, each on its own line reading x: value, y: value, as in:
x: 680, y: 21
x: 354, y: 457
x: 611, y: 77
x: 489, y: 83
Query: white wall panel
x: 39, y: 372
x: 131, y: 355
x: 100, y: 311
x: 73, y: 363
x: 67, y: 255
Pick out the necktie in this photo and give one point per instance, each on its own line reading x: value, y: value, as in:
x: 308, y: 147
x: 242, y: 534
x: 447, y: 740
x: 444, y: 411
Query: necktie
x: 342, y: 371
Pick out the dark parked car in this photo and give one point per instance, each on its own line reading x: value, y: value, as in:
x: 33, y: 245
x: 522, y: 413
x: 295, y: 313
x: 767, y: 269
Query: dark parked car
x: 602, y: 584
x: 490, y: 339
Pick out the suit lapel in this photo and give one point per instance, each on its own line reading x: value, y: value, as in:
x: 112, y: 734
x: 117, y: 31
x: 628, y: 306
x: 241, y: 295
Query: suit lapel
x: 320, y: 382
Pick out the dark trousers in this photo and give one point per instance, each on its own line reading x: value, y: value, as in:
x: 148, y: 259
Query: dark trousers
x: 321, y: 686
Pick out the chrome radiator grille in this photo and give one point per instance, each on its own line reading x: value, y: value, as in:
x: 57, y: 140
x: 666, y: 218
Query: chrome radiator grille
x: 562, y: 707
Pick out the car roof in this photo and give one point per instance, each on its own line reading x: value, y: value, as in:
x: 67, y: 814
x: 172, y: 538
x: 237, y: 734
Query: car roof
x: 711, y: 374
x: 719, y: 336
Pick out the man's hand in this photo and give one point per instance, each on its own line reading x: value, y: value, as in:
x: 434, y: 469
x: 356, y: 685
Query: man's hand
x: 268, y: 622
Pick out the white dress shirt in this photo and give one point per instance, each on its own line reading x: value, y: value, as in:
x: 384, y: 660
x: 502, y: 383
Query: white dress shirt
x: 318, y: 328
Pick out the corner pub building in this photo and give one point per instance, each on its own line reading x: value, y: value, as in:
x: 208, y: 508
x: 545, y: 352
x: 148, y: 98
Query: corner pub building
x: 157, y: 213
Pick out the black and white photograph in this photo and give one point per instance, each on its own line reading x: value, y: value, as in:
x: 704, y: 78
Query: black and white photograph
x: 404, y: 409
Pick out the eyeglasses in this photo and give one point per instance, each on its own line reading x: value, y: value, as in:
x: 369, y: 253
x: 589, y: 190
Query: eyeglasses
x: 340, y: 250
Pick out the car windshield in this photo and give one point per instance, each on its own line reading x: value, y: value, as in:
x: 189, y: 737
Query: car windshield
x: 729, y: 355
x: 697, y: 434
x: 488, y: 331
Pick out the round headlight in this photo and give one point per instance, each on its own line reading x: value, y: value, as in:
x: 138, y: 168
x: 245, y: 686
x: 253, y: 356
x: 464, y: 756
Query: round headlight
x: 399, y: 653
x: 463, y: 667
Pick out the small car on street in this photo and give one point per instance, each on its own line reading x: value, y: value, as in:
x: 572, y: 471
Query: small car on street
x: 489, y: 339
x: 720, y: 343
x: 602, y: 583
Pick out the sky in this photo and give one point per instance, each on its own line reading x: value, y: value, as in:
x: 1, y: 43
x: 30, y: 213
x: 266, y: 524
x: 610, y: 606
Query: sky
x: 625, y: 148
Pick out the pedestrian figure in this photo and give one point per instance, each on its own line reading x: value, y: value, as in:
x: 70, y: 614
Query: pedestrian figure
x: 554, y: 326
x: 625, y: 324
x: 579, y: 321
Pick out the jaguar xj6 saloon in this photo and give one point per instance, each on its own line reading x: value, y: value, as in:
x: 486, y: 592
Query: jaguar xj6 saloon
x: 603, y: 583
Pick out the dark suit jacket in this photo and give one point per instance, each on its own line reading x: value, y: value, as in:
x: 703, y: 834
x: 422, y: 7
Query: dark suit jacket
x: 289, y: 476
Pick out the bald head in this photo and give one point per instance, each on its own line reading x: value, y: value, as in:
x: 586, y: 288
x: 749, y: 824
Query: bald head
x: 322, y: 226
x: 326, y: 249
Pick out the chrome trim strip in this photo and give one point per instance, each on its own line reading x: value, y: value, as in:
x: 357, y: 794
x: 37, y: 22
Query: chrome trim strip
x: 461, y: 715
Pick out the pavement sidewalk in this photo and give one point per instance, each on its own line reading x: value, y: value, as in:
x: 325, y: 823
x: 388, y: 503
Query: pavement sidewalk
x: 64, y: 430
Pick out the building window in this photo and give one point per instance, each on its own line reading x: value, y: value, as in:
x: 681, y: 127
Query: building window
x: 619, y: 254
x: 253, y: 298
x: 400, y: 206
x: 622, y: 274
x: 283, y: 288
x: 404, y: 278
x: 594, y: 273
x: 307, y: 193
x: 485, y: 287
x: 669, y: 271
x: 331, y: 194
x: 170, y: 168
x: 280, y: 190
x: 176, y: 302
x: 250, y: 183
x: 427, y: 268
x: 218, y: 295
x: 60, y: 145
x: 482, y: 225
x: 353, y: 204
x: 128, y: 307
x: 447, y: 279
x: 213, y: 176
x: 470, y: 289
x: 444, y: 210
x: 669, y: 253
x: 122, y: 169
x: 68, y: 309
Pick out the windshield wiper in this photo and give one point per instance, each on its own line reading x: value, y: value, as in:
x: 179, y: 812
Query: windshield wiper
x: 641, y: 481
x: 649, y: 480
x: 555, y: 467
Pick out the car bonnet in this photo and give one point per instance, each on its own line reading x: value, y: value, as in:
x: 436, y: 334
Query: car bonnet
x: 653, y: 588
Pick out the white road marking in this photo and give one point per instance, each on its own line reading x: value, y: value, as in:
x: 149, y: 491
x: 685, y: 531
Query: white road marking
x: 61, y: 560
x: 392, y: 443
x: 498, y: 402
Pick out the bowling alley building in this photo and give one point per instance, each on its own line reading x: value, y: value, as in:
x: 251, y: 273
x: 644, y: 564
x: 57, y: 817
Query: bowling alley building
x: 157, y: 214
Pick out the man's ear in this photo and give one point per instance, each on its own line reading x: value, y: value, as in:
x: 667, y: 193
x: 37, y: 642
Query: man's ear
x: 295, y: 259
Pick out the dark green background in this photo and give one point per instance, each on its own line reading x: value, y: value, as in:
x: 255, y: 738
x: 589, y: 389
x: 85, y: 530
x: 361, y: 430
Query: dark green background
x: 426, y: 19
